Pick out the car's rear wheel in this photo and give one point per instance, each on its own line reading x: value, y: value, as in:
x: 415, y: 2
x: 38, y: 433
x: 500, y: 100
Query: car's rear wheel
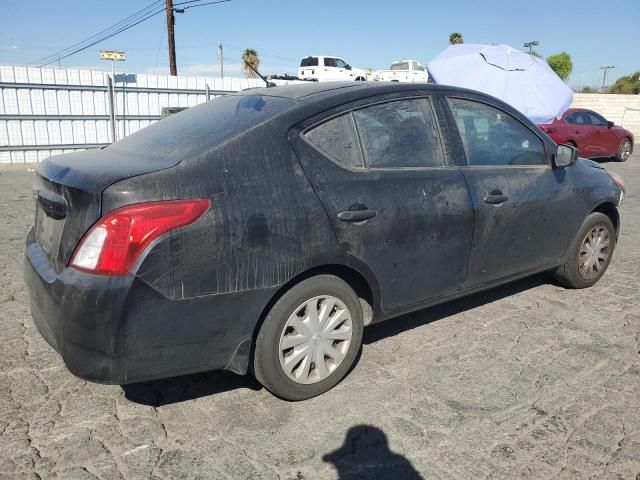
x: 309, y: 339
x: 590, y: 253
x: 624, y: 150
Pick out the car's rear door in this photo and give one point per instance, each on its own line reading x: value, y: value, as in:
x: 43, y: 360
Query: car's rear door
x: 579, y: 128
x: 393, y: 200
x: 525, y: 213
x: 330, y: 69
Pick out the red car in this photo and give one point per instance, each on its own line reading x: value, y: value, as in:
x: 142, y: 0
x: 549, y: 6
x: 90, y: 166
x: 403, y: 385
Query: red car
x: 591, y: 133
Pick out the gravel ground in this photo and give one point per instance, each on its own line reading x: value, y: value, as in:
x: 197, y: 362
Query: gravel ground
x: 528, y: 380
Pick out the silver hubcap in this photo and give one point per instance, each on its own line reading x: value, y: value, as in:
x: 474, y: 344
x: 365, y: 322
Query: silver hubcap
x: 594, y: 252
x: 625, y: 150
x: 315, y: 339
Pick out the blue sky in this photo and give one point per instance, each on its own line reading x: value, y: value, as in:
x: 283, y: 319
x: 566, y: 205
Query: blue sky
x: 366, y: 33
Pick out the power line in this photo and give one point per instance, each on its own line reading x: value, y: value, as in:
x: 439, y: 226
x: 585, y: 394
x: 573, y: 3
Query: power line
x: 200, y: 4
x: 125, y: 24
x: 131, y: 18
x: 102, y: 39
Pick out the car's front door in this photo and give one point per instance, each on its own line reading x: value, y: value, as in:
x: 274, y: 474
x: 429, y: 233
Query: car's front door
x: 525, y: 213
x: 393, y: 201
x: 605, y: 141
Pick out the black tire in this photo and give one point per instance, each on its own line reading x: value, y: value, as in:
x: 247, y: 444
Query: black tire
x: 624, y: 150
x: 569, y: 274
x: 266, y: 359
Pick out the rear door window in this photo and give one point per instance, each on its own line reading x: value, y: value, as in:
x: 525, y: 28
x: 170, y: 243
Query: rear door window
x: 400, y: 134
x: 337, y: 138
x: 493, y: 137
x: 329, y: 62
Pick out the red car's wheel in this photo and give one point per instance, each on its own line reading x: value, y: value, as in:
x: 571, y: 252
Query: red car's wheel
x: 624, y: 150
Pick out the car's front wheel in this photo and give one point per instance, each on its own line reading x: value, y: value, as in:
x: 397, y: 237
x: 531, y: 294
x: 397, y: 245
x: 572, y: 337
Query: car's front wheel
x: 624, y: 150
x: 590, y: 253
x: 309, y: 339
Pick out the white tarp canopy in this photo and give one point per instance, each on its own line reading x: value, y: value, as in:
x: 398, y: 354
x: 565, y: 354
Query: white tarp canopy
x: 525, y: 82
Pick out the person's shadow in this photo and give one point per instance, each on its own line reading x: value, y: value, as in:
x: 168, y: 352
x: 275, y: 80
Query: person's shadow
x: 365, y: 454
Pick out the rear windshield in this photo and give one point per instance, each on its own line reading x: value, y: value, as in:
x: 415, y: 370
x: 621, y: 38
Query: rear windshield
x: 309, y: 62
x: 202, y: 127
x: 400, y: 66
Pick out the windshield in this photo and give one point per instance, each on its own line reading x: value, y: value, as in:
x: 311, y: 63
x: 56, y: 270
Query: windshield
x: 202, y: 127
x: 309, y: 62
x: 400, y: 66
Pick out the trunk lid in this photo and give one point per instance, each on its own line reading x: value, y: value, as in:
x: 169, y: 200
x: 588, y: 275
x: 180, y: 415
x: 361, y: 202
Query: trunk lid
x: 68, y: 194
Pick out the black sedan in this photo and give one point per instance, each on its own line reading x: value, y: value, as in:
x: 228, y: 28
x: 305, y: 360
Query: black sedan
x: 263, y: 230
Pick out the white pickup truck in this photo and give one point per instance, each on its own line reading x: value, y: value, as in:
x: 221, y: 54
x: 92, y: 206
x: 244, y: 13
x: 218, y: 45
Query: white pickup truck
x: 325, y: 68
x: 406, y: 71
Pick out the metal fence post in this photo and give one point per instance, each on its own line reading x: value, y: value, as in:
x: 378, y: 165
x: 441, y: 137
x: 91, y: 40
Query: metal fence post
x: 112, y: 109
x: 207, y: 92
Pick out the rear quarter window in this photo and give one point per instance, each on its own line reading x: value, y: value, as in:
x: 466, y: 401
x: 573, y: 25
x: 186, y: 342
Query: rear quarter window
x: 309, y: 62
x: 337, y: 138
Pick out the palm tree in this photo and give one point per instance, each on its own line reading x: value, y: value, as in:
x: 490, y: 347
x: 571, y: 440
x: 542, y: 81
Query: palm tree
x: 250, y: 57
x: 456, y: 38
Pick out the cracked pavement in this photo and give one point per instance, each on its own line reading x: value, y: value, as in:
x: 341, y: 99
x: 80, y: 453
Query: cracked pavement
x: 528, y: 380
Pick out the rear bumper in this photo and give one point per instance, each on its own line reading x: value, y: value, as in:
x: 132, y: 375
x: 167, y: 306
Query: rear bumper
x: 119, y: 330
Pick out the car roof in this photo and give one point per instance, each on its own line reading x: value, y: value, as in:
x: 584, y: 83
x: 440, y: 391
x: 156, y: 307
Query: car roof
x: 325, y: 90
x: 572, y: 110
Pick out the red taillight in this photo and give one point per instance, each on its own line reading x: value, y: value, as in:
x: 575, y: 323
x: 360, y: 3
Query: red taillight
x: 112, y: 245
x: 547, y: 128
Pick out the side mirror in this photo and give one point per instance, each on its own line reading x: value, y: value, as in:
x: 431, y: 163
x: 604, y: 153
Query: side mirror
x: 565, y: 155
x: 610, y: 124
x: 347, y: 67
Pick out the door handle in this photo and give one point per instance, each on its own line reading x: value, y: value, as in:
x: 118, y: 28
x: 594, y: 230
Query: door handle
x: 495, y: 197
x: 356, y: 215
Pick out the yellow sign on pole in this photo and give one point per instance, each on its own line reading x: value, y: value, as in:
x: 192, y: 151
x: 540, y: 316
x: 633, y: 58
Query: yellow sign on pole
x: 112, y: 55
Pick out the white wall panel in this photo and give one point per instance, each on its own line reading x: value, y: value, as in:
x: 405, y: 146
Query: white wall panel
x: 76, y: 97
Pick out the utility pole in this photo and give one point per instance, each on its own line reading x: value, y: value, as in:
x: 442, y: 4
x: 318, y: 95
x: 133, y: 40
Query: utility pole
x: 171, y: 40
x: 604, y: 76
x: 220, y: 52
x: 531, y: 44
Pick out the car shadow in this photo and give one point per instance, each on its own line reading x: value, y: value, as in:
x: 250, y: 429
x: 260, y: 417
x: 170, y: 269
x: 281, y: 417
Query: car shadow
x: 603, y: 160
x: 380, y: 331
x: 157, y: 393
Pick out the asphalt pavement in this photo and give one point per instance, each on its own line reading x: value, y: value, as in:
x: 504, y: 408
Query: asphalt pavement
x: 528, y: 380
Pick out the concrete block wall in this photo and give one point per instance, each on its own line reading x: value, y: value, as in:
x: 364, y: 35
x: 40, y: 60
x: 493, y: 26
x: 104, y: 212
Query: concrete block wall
x: 623, y: 110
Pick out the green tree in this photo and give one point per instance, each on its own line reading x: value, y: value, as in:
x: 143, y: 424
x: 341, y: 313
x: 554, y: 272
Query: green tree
x: 589, y: 90
x: 456, y: 38
x: 561, y: 64
x: 250, y: 57
x: 629, y: 84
